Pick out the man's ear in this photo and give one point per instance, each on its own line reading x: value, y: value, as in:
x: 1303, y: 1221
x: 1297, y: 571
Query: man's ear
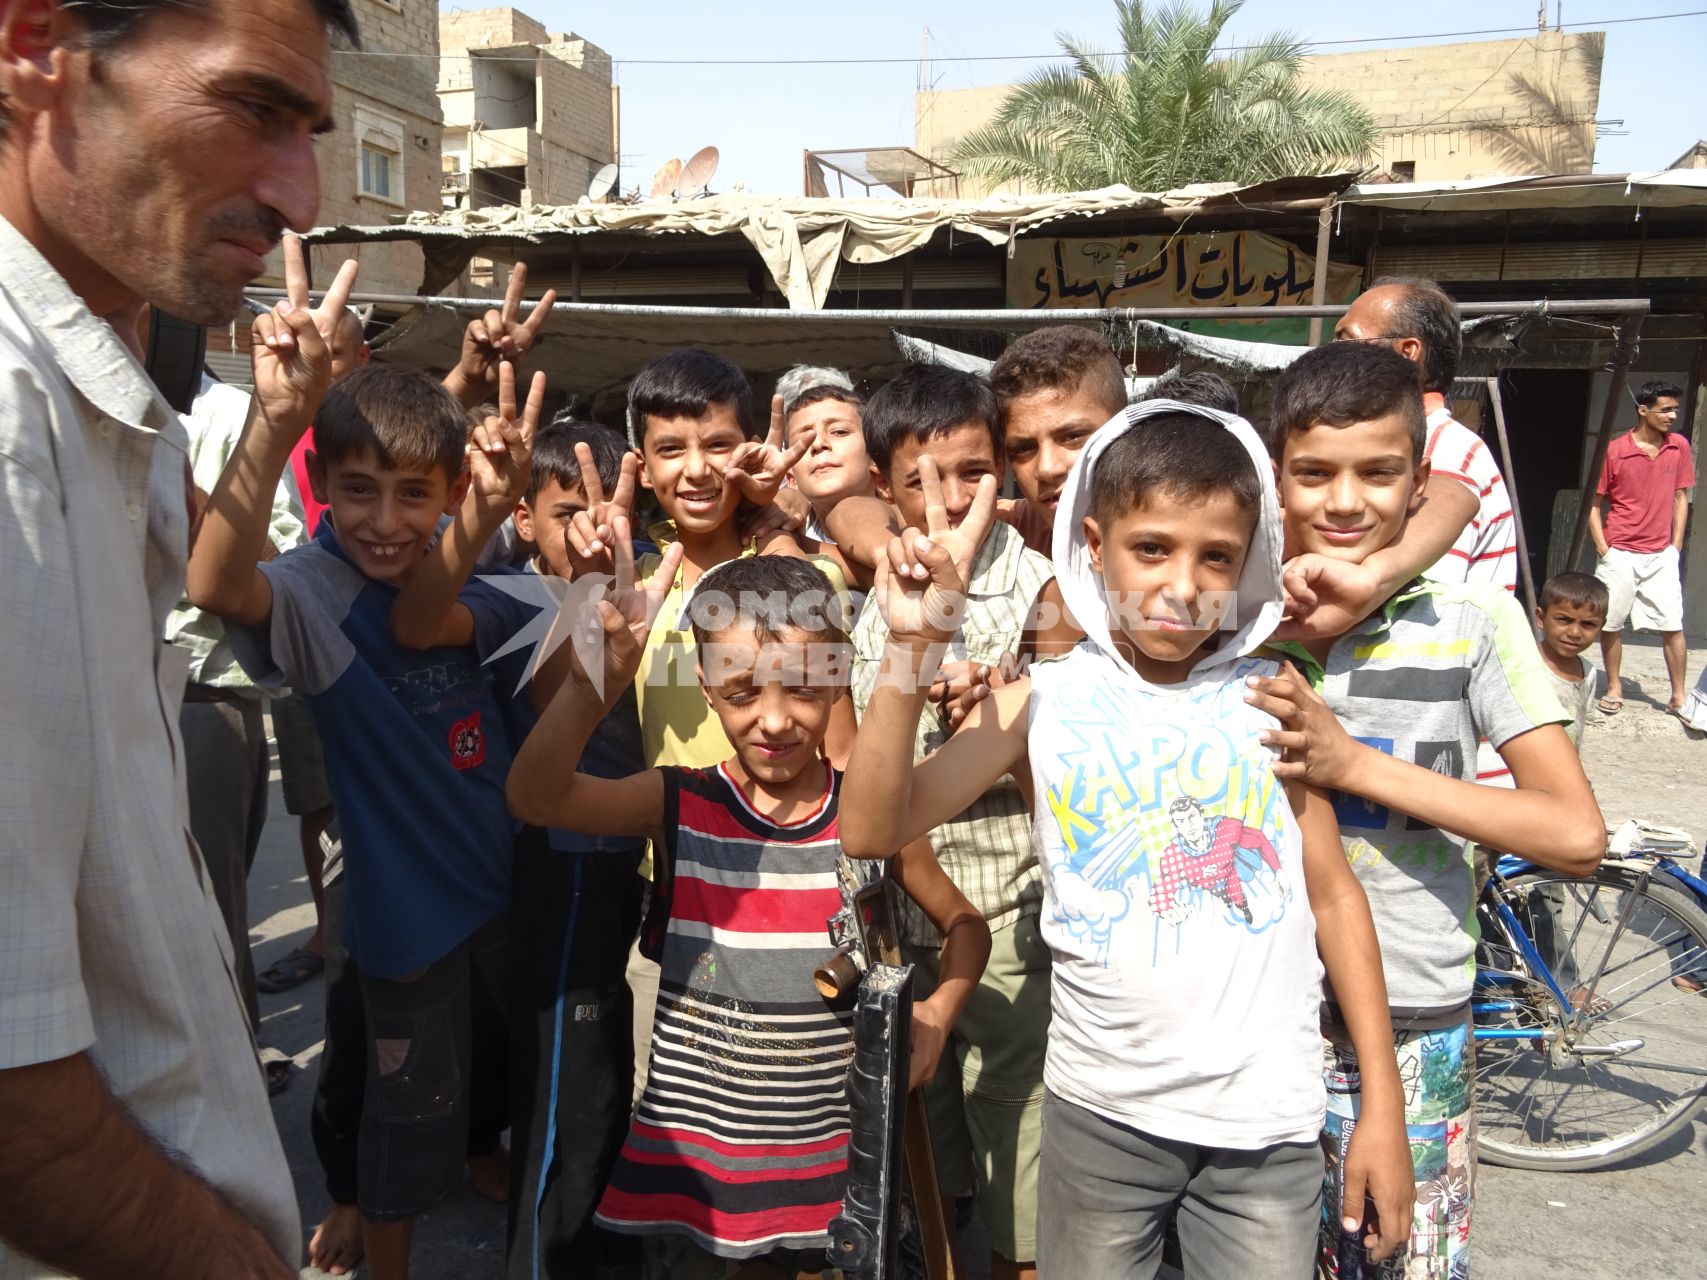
x: 881, y: 483
x: 1410, y: 348
x: 316, y: 477
x: 1093, y: 542
x: 1419, y: 483
x: 458, y: 491
x: 35, y: 55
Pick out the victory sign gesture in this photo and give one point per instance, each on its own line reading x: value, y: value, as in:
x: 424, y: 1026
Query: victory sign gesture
x: 621, y: 617
x: 498, y: 336
x: 921, y: 583
x: 500, y: 449
x: 590, y: 534
x: 292, y: 345
x: 758, y: 468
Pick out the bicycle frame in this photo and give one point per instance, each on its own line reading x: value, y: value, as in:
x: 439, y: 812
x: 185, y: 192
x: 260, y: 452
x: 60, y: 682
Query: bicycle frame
x: 1658, y: 867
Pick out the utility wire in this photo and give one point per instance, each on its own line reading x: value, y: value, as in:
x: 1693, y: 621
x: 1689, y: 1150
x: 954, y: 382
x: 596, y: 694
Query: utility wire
x: 1005, y: 57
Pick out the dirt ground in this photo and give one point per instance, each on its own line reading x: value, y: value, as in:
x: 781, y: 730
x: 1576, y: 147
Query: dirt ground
x: 1634, y: 1221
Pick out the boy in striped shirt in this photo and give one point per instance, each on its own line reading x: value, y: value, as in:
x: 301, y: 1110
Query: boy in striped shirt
x: 738, y: 1149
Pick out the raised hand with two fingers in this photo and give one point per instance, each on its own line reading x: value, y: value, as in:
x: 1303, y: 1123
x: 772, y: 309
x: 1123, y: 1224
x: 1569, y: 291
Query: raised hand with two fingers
x: 758, y: 467
x: 500, y: 449
x: 623, y: 611
x: 590, y: 535
x: 498, y: 336
x: 921, y: 582
x: 292, y: 345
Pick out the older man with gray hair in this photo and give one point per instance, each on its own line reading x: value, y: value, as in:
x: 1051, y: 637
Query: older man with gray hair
x: 151, y: 151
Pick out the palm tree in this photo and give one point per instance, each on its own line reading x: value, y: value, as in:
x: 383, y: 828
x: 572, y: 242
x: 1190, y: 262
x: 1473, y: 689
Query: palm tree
x: 1164, y: 112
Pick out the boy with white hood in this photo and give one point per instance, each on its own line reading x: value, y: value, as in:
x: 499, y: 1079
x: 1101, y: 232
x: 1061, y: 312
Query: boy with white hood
x: 1184, y: 1058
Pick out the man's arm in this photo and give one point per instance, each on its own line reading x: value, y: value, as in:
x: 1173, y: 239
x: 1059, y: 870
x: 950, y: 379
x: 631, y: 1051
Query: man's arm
x: 1597, y: 527
x: 1327, y: 597
x: 83, y: 1189
x: 1679, y: 517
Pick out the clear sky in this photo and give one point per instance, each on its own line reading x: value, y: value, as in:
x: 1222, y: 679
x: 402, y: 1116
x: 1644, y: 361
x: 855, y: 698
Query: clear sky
x: 762, y: 117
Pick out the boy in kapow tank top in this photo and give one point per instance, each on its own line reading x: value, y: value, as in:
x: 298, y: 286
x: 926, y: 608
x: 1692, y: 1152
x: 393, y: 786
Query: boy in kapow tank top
x: 1184, y: 884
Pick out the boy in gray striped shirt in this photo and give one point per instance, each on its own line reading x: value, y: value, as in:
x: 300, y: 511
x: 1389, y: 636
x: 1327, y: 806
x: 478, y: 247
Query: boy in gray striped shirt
x: 1388, y: 719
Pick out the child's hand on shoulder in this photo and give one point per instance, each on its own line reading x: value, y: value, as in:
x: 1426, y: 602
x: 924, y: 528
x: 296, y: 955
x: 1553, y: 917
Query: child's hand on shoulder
x: 291, y: 347
x: 589, y: 537
x: 758, y: 468
x: 1378, y: 1168
x: 1314, y: 746
x: 500, y: 450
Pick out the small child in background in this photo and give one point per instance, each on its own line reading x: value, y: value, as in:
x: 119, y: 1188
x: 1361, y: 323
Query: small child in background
x: 835, y: 465
x: 738, y: 1149
x: 576, y: 913
x: 1570, y: 614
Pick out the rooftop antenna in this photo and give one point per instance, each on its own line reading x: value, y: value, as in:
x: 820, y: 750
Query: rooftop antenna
x: 696, y: 174
x: 604, y: 181
x: 664, y: 181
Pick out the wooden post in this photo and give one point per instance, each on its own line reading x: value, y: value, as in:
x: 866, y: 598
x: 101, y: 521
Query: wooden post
x: 1319, y: 287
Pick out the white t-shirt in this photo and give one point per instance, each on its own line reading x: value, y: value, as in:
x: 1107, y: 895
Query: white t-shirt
x: 1186, y: 987
x: 1486, y: 552
x: 1575, y: 697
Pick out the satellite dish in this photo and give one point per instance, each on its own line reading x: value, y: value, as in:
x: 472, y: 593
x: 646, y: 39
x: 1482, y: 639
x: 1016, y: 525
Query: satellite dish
x: 664, y: 181
x: 698, y: 172
x: 601, y: 185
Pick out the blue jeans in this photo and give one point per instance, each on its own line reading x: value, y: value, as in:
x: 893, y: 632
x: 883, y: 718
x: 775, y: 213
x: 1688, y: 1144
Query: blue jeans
x: 1106, y: 1191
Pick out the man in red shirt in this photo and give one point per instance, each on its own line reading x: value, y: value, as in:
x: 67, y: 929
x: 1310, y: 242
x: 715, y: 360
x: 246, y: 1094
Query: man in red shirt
x: 1645, y: 487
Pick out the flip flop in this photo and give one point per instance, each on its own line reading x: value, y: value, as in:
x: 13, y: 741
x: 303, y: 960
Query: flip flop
x: 292, y: 971
x: 278, y: 1068
x: 1609, y: 706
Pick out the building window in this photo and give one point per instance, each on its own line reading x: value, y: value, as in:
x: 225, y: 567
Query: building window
x: 1404, y: 171
x: 379, y: 156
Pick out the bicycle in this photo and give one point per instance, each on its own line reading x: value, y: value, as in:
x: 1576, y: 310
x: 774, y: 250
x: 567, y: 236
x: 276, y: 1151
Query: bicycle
x: 1591, y: 1044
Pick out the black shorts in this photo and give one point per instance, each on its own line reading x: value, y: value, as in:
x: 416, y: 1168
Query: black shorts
x: 415, y: 1112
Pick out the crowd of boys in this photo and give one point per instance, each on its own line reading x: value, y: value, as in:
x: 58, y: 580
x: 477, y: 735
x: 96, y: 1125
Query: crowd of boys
x: 1171, y: 761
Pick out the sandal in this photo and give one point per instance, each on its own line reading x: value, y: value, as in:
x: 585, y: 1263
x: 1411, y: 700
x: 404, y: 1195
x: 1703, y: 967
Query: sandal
x: 1609, y: 706
x: 1596, y: 1006
x: 292, y: 971
x: 278, y: 1067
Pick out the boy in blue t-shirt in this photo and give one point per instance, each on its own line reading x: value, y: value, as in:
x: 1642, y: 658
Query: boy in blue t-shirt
x: 415, y: 742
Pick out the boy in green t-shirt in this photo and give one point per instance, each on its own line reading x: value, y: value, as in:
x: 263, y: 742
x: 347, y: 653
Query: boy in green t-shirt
x: 1411, y: 688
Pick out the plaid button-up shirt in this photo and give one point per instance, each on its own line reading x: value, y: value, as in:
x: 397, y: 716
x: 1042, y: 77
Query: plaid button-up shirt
x: 987, y: 850
x: 110, y: 944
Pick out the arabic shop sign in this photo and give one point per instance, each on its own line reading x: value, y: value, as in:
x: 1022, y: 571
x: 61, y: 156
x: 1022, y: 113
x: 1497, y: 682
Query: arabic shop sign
x: 1223, y: 269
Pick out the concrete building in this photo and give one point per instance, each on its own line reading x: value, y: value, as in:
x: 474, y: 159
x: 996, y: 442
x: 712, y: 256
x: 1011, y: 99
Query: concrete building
x: 1445, y: 111
x: 529, y: 116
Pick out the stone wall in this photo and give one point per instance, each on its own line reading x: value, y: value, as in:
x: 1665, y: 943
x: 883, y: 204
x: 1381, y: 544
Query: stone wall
x: 1448, y: 111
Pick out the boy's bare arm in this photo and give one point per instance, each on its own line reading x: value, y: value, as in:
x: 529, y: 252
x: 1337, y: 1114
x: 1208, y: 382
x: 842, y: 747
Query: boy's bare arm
x: 965, y: 952
x: 543, y: 787
x: 292, y: 367
x: 498, y: 336
x: 426, y: 614
x: 861, y: 528
x: 1050, y: 630
x: 1378, y: 1164
x: 1597, y: 527
x: 1550, y: 817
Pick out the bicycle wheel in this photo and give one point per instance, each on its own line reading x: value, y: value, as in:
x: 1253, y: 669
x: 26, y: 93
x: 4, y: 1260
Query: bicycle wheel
x: 1584, y: 1092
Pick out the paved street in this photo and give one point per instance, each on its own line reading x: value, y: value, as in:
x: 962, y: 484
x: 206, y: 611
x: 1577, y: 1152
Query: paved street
x: 1641, y: 1221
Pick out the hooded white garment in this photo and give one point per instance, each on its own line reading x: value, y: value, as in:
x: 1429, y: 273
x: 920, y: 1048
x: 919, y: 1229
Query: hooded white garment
x: 1186, y: 984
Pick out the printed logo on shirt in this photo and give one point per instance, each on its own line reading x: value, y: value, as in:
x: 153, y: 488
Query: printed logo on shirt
x: 467, y: 743
x: 1167, y: 826
x: 1446, y: 758
x: 1355, y: 811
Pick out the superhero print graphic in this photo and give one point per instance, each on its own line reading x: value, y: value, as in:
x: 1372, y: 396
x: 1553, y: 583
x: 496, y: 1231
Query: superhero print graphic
x: 1164, y: 825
